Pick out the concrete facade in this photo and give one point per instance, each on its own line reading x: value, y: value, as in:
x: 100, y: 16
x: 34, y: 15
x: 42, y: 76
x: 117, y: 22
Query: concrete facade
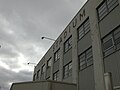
x: 43, y: 85
x: 87, y: 48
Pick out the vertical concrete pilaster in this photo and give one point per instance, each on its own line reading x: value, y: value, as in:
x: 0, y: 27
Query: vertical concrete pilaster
x: 61, y: 63
x: 51, y: 74
x: 75, y: 70
x: 74, y: 56
x: 98, y: 57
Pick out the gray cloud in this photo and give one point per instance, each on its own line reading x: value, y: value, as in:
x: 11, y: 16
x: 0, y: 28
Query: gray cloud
x: 22, y: 24
x: 7, y: 77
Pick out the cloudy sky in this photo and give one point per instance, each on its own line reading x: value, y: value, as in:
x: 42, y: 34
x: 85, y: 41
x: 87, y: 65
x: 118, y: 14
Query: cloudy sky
x: 22, y: 24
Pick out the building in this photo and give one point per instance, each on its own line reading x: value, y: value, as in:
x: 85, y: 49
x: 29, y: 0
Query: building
x: 88, y: 48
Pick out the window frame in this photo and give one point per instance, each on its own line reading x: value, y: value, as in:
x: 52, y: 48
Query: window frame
x: 43, y: 69
x: 57, y: 55
x: 81, y: 30
x: 49, y: 61
x: 68, y: 44
x: 67, y: 71
x: 108, y: 8
x: 56, y: 75
x: 86, y: 60
x: 38, y: 73
x: 115, y: 46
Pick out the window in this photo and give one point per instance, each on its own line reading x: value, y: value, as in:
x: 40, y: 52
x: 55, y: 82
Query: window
x: 56, y: 76
x: 38, y: 72
x: 48, y: 78
x: 83, y: 29
x: 57, y: 55
x: 67, y: 70
x: 34, y: 77
x: 68, y: 44
x: 111, y: 42
x: 49, y: 63
x: 43, y: 69
x: 106, y: 7
x: 86, y: 59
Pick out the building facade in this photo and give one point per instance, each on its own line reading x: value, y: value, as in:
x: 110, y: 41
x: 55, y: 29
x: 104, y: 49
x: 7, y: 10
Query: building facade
x: 87, y: 48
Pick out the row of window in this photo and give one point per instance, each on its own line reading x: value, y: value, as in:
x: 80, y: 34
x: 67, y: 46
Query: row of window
x: 102, y: 11
x: 85, y: 60
x: 111, y: 42
x: 67, y: 72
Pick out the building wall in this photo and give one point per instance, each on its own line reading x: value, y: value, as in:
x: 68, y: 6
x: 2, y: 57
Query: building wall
x: 92, y: 77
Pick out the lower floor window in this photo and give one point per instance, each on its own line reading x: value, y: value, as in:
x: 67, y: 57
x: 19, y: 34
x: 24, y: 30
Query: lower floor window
x: 86, y: 58
x: 67, y: 70
x: 56, y: 76
x: 111, y: 42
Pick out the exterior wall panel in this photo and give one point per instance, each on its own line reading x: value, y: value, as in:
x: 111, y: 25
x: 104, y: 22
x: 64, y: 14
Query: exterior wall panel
x: 112, y: 64
x: 67, y: 57
x: 56, y: 66
x: 86, y: 79
x: 84, y: 43
x: 108, y: 23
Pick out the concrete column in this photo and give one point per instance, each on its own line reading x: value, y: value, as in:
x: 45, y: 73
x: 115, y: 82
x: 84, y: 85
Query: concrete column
x: 75, y: 71
x: 51, y: 74
x: 97, y: 55
x: 61, y: 62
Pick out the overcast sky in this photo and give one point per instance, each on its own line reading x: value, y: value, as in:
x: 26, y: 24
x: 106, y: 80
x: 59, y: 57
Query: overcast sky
x: 22, y: 24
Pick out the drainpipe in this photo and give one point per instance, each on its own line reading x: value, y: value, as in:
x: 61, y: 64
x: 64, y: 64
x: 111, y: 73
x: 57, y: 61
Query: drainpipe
x: 108, y: 81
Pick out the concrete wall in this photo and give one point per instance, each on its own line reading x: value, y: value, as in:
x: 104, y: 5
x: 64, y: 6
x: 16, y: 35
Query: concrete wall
x: 108, y: 23
x: 43, y: 85
x: 86, y: 79
x: 98, y: 29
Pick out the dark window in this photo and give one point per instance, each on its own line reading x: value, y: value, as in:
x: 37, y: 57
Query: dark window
x: 48, y: 78
x: 68, y: 44
x: 111, y: 42
x: 106, y: 7
x: 86, y: 59
x: 57, y: 55
x: 67, y: 70
x: 34, y: 77
x: 83, y: 29
x: 38, y: 72
x: 56, y: 76
x: 43, y: 69
x: 117, y: 38
x: 49, y: 63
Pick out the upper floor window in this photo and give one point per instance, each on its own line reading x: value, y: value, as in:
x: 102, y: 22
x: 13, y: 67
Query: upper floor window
x: 57, y: 55
x: 43, y: 69
x: 106, y: 7
x: 83, y: 29
x: 86, y: 58
x: 111, y: 42
x: 56, y: 76
x: 68, y: 44
x: 67, y: 70
x: 49, y: 63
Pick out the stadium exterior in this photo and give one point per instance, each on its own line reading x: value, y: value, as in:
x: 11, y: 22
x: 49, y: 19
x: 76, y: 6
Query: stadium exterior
x: 87, y: 50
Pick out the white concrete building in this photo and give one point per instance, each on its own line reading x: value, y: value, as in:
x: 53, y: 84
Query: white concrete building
x: 88, y: 48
